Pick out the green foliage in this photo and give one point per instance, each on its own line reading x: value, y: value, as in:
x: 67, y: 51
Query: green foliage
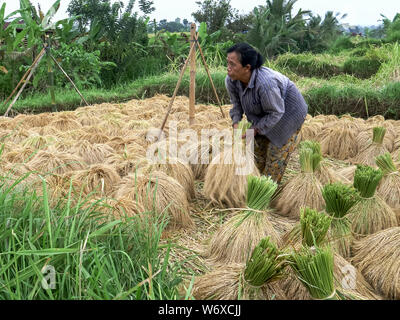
x: 310, y: 65
x: 274, y: 29
x: 93, y: 256
x: 83, y: 67
x: 366, y: 180
x: 342, y: 43
x: 215, y: 13
x: 266, y: 264
x: 362, y: 67
x: 314, y: 226
x: 339, y: 198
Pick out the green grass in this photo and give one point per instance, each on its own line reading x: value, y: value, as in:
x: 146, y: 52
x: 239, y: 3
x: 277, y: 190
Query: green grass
x: 94, y: 257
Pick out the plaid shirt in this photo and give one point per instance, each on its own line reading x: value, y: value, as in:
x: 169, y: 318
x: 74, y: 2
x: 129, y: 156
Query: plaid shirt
x: 271, y: 102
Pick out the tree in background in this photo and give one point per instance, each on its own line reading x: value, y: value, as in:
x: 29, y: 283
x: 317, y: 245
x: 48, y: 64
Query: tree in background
x: 215, y: 13
x: 121, y: 34
x: 275, y: 29
x: 320, y: 34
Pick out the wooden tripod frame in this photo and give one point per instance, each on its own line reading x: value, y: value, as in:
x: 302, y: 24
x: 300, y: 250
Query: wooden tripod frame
x: 192, y: 57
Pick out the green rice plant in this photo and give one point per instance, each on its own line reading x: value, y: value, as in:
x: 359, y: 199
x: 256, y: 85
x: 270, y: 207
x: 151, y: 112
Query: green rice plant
x: 93, y: 256
x: 260, y: 191
x: 385, y: 163
x: 266, y: 264
x: 366, y: 180
x: 310, y: 158
x: 314, y: 268
x: 314, y: 225
x: 378, y: 134
x: 339, y: 199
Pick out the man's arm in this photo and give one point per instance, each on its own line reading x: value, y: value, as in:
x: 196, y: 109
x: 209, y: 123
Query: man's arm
x: 273, y: 105
x: 236, y: 113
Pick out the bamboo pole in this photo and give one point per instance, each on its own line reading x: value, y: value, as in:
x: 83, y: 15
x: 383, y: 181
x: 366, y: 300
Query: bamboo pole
x: 192, y: 88
x: 25, y: 83
x: 175, y: 92
x: 24, y: 76
x: 209, y: 77
x: 62, y: 70
x: 50, y: 73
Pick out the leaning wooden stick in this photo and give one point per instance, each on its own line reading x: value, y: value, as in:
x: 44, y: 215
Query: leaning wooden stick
x: 62, y: 70
x: 24, y: 76
x: 25, y: 83
x: 176, y: 91
x: 209, y: 76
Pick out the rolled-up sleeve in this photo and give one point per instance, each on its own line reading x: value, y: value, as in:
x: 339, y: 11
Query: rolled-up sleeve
x: 236, y: 113
x: 272, y: 104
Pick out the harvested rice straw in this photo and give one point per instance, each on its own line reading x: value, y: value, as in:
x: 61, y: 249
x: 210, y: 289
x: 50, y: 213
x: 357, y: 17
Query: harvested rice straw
x: 179, y: 170
x: 39, y: 142
x: 324, y: 171
x: 347, y: 173
x: 238, y: 236
x: 254, y: 280
x: 377, y: 256
x: 52, y: 161
x: 118, y: 208
x: 88, y: 120
x: 18, y: 154
x: 304, y: 190
x: 339, y: 199
x: 314, y: 268
x: 389, y: 186
x: 371, y: 214
x: 339, y: 140
x: 225, y: 182
x: 137, y: 124
x: 92, y: 153
x: 199, y: 155
x: 158, y: 192
x: 95, y: 137
x: 99, y: 179
x: 310, y: 130
x: 65, y: 124
x: 127, y: 161
x: 45, y: 131
x: 376, y: 148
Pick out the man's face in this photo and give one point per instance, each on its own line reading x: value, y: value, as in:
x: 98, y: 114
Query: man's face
x: 235, y: 69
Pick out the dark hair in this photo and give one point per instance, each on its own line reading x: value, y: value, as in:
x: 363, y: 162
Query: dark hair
x: 247, y: 55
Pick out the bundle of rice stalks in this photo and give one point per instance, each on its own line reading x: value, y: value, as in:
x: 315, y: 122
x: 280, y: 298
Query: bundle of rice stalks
x: 118, y: 143
x: 250, y: 281
x: 137, y: 124
x: 324, y: 171
x: 238, y: 236
x: 389, y: 187
x: 100, y: 179
x: 304, y: 190
x: 127, y: 161
x: 39, y: 142
x: 52, y: 161
x: 310, y: 131
x: 88, y: 120
x: 314, y: 268
x: 376, y: 148
x: 339, y: 141
x: 118, y: 208
x: 92, y: 153
x: 95, y: 137
x: 314, y: 226
x: 347, y: 173
x: 371, y: 213
x: 339, y: 199
x: 46, y: 131
x: 225, y: 182
x: 199, y: 155
x: 158, y: 192
x: 378, y: 258
x: 18, y: 155
x: 180, y: 171
x: 65, y: 124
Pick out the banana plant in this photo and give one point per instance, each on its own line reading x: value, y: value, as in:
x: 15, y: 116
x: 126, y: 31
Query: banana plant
x: 7, y: 41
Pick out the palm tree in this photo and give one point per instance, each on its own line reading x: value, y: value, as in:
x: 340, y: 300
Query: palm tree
x: 275, y: 29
